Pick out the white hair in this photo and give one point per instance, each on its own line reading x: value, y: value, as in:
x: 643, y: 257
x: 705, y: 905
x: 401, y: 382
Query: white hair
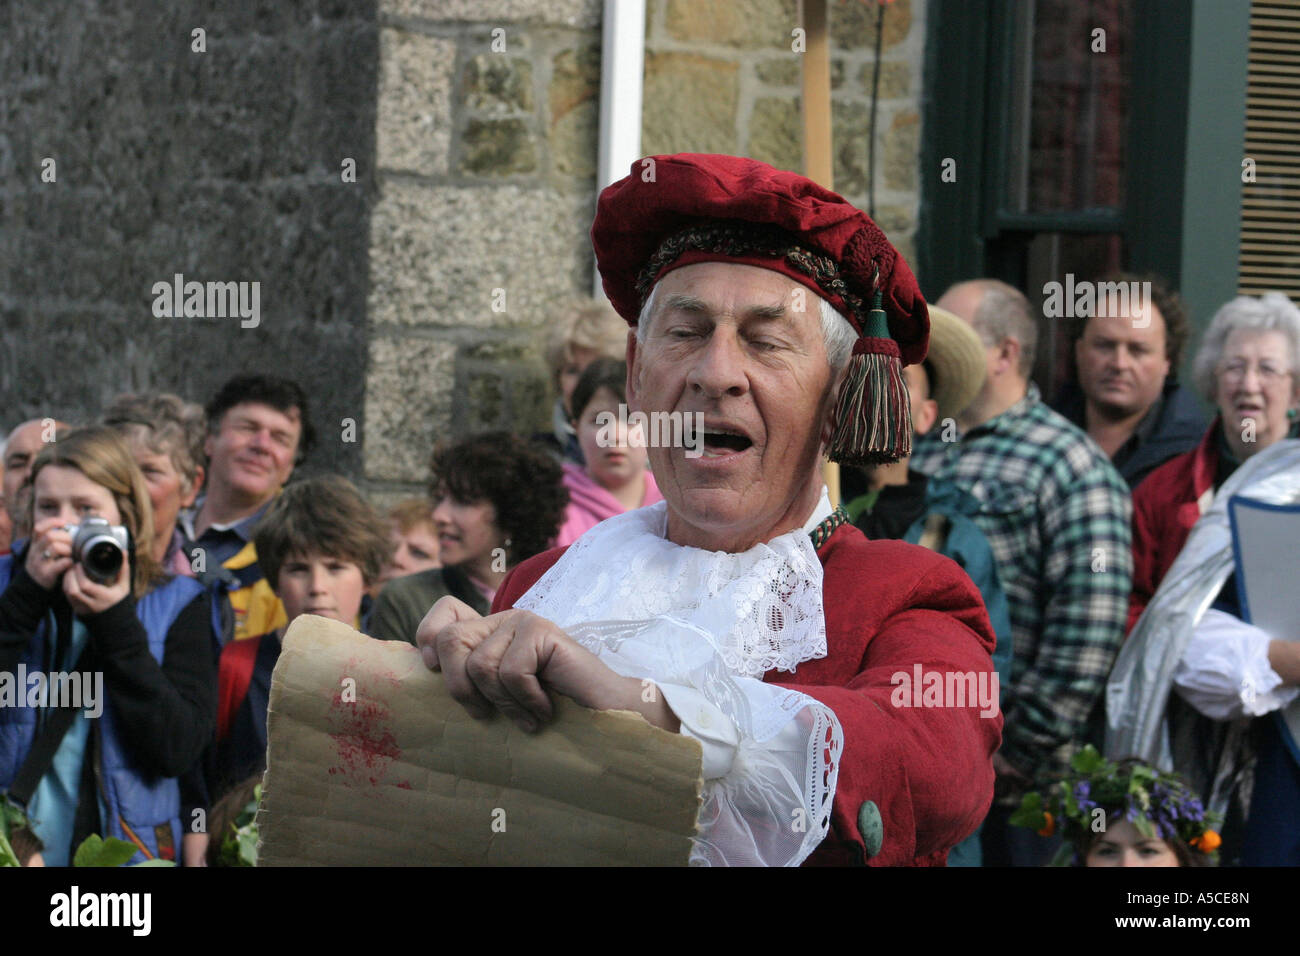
x: 838, y: 335
x: 1271, y: 312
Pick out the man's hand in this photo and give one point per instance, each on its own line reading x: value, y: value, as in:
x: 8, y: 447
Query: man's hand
x: 509, y: 661
x: 446, y: 611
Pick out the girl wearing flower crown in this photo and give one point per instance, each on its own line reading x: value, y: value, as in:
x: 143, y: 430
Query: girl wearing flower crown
x: 1122, y: 814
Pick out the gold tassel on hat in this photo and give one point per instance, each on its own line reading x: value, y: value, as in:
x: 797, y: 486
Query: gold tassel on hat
x: 873, y: 421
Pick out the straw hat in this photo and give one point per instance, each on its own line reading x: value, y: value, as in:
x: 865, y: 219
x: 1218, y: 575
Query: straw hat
x: 957, y: 357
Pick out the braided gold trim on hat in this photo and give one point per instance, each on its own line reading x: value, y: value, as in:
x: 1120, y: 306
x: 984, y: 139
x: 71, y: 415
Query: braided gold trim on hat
x: 731, y: 238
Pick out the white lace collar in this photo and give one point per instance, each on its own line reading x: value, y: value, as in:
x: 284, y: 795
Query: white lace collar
x: 760, y: 609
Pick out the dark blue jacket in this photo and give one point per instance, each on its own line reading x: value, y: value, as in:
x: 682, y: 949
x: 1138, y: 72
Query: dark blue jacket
x: 136, y: 806
x: 1177, y: 427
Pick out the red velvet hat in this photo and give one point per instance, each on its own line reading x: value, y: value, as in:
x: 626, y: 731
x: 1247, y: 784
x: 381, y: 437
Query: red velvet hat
x: 672, y: 211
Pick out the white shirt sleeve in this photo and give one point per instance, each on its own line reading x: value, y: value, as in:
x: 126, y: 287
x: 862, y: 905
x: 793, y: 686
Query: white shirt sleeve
x: 717, y: 733
x: 1224, y: 672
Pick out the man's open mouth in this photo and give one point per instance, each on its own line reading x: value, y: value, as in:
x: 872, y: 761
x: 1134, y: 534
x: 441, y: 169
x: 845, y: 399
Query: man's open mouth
x: 718, y: 442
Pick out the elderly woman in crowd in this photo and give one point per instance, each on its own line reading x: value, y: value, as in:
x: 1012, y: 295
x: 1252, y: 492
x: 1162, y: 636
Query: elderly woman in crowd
x: 499, y: 500
x: 1227, y: 673
x: 774, y: 632
x: 165, y: 434
x: 615, y: 478
x: 589, y: 330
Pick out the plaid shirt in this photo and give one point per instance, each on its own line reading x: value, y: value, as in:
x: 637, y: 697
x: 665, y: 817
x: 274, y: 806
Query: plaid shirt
x: 1057, y: 515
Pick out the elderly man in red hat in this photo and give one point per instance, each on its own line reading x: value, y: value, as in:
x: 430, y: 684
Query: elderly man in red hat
x: 820, y: 671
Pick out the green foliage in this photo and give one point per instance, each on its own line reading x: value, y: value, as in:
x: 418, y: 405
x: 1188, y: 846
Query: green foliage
x: 1068, y: 800
x: 1030, y: 812
x: 1087, y: 761
x: 11, y: 818
x: 109, y: 851
x: 95, y: 851
x: 239, y: 845
x: 7, y: 857
x: 1159, y: 805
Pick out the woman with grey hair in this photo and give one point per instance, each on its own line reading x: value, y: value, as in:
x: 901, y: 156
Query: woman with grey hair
x: 589, y: 329
x: 1225, y: 671
x: 165, y: 434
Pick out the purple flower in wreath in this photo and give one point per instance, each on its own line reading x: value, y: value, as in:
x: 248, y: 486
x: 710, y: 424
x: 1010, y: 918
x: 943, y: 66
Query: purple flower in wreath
x: 1082, y: 791
x: 1164, y: 826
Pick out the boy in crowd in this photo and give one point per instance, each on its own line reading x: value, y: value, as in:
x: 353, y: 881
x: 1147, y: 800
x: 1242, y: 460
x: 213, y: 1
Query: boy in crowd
x: 320, y: 545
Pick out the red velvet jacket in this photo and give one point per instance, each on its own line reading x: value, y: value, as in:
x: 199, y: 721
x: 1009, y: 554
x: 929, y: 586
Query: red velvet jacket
x: 1165, y: 506
x: 889, y: 605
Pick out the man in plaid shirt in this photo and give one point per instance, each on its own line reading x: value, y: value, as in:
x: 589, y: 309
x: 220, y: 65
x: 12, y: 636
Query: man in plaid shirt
x: 1056, y: 514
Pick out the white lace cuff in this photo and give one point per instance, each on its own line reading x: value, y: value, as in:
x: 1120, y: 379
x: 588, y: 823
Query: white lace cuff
x: 1225, y: 673
x: 773, y: 807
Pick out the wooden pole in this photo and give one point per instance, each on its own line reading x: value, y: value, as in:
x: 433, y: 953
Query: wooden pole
x: 817, y: 137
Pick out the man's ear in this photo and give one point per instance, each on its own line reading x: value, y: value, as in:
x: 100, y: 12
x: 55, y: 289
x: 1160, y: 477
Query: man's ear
x: 196, y: 486
x: 1009, y: 355
x: 924, y: 417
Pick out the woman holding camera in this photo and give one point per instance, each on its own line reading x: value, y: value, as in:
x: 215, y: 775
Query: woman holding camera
x: 109, y: 657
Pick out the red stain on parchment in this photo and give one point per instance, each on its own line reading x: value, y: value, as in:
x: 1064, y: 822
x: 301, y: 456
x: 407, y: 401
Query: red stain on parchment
x: 389, y: 677
x: 363, y: 740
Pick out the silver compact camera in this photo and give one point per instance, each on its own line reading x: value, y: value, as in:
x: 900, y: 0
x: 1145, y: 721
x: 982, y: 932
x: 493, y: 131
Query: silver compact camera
x: 99, y: 547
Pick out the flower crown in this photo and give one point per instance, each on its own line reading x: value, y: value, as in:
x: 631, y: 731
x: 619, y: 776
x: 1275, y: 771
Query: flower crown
x: 1158, y: 804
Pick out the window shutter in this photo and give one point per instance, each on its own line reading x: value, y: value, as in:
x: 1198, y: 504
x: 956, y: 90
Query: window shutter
x: 1270, y: 212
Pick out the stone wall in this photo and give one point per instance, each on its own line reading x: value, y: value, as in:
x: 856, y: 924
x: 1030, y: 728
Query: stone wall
x: 721, y: 77
x: 488, y: 114
x: 486, y: 159
x: 411, y: 301
x: 222, y: 164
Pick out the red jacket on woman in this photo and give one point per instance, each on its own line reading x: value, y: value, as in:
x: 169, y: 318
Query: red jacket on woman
x: 1165, y: 506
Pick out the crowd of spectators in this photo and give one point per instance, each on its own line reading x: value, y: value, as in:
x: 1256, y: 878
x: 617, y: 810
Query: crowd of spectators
x: 1069, y: 517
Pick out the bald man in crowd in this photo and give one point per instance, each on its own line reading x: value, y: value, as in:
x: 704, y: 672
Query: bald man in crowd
x: 20, y: 450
